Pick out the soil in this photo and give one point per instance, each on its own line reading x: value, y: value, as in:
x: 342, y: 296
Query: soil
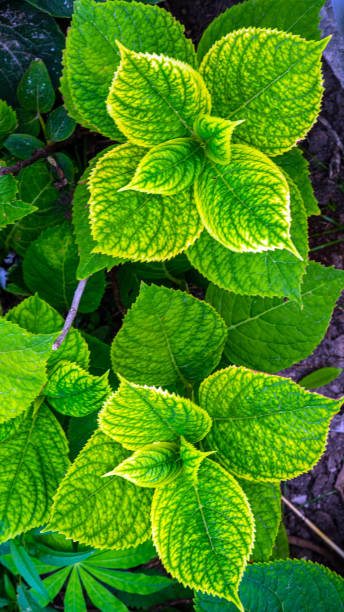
x: 314, y: 493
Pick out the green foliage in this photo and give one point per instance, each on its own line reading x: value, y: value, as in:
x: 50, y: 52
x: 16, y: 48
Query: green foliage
x: 35, y: 91
x: 59, y: 125
x: 319, y: 378
x: 153, y: 466
x: 11, y: 209
x: 23, y: 146
x: 8, y: 120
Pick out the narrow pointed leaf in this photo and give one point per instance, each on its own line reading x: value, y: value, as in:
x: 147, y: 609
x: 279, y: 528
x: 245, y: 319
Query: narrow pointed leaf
x: 270, y: 273
x: 204, y: 532
x: 185, y: 339
x: 101, y: 512
x: 134, y: 225
x: 257, y: 325
x: 73, y: 391
x: 215, y: 134
x: 136, y: 416
x: 74, y: 600
x: 131, y: 582
x: 168, y: 168
x: 53, y: 585
x: 319, y: 378
x: 34, y: 460
x: 242, y: 88
x: 245, y: 204
x: 265, y: 427
x: 99, y: 595
x: 154, y: 98
x: 27, y: 569
x: 123, y: 559
x: 155, y: 465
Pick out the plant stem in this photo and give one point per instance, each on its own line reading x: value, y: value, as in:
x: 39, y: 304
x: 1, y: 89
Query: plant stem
x: 71, y: 314
x: 314, y: 528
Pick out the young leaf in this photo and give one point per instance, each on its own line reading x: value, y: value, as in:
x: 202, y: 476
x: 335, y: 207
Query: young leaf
x: 257, y: 325
x: 134, y: 225
x: 245, y: 204
x: 49, y: 268
x: 136, y: 416
x: 99, y: 595
x: 216, y: 134
x: 74, y: 600
x: 192, y: 459
x: 280, y: 548
x: 265, y: 427
x: 204, y: 532
x: 92, y: 56
x: 296, y: 16
x: 319, y: 378
x: 296, y: 166
x: 37, y: 317
x: 73, y: 391
x: 35, y: 91
x: 241, y: 87
x: 101, y: 512
x: 168, y: 168
x: 154, y: 98
x: 155, y: 465
x: 59, y: 125
x: 270, y: 273
x: 185, y: 339
x: 34, y: 460
x: 265, y: 502
x: 283, y: 585
x: 8, y: 120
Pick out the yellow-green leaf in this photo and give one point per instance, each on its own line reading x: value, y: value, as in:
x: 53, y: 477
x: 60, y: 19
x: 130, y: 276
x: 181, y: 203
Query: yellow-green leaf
x: 155, y: 465
x: 216, y: 134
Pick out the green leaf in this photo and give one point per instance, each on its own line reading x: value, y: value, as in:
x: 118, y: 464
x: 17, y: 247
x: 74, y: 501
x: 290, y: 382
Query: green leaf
x: 73, y: 391
x: 154, y: 465
x: 245, y: 204
x: 131, y: 582
x: 64, y: 8
x: 283, y: 585
x: 192, y: 459
x: 11, y: 209
x: 134, y: 225
x: 296, y: 166
x: 92, y: 56
x: 28, y: 122
x: 27, y: 569
x: 122, y: 559
x: 59, y: 125
x: 280, y: 548
x: 37, y: 317
x: 34, y: 460
x: 270, y: 273
x: 74, y: 599
x: 8, y: 120
x: 90, y: 262
x: 204, y: 532
x: 26, y: 34
x: 241, y: 86
x: 35, y: 91
x: 101, y: 512
x: 49, y: 268
x: 320, y: 378
x: 100, y: 597
x: 53, y: 585
x: 27, y: 602
x: 168, y: 338
x: 215, y: 134
x: 136, y: 416
x: 265, y: 502
x: 23, y: 358
x: 22, y: 146
x: 168, y: 168
x: 296, y: 16
x: 265, y: 427
x: 155, y: 98
x: 257, y: 325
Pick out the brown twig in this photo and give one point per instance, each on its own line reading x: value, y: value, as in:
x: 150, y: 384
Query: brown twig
x: 314, y: 528
x: 71, y: 314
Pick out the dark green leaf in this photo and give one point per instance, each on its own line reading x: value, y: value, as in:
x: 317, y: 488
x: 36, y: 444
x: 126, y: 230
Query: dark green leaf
x: 59, y: 125
x: 319, y: 378
x: 35, y: 91
x: 26, y: 569
x: 22, y: 145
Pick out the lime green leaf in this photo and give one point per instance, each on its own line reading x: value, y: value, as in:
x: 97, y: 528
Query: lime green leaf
x: 136, y: 416
x: 131, y: 582
x: 49, y: 268
x: 154, y: 98
x: 192, y: 459
x: 241, y: 87
x: 257, y: 325
x: 265, y: 427
x: 74, y: 599
x: 215, y: 134
x: 8, y: 120
x: 270, y: 273
x: 37, y: 317
x: 92, y: 56
x: 296, y: 16
x: 101, y: 512
x: 280, y: 549
x: 245, y: 204
x: 320, y: 378
x: 168, y: 338
x: 155, y: 465
x: 122, y: 559
x: 22, y: 362
x: 283, y: 585
x: 296, y: 166
x: 90, y: 262
x: 35, y: 91
x: 99, y: 595
x: 73, y: 391
x: 34, y: 460
x: 204, y: 532
x: 10, y: 427
x: 168, y: 168
x: 265, y: 501
x: 134, y: 225
x: 59, y: 125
